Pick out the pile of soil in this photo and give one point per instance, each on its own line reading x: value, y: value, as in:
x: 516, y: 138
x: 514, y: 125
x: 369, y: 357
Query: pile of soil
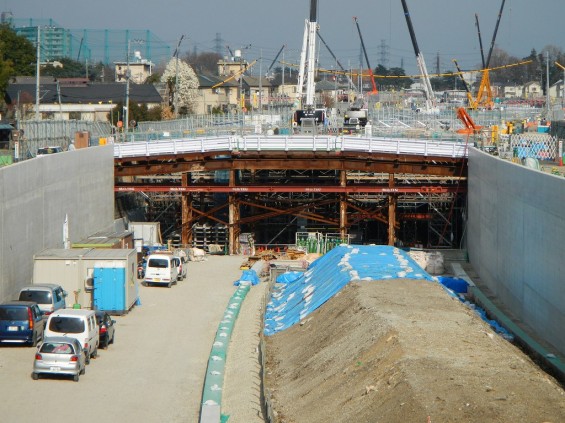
x: 403, y: 351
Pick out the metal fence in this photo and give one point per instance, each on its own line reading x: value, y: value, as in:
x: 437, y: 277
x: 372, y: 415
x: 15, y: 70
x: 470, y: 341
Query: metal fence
x: 385, y: 121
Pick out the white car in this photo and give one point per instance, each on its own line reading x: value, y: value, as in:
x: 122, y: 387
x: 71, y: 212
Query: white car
x: 79, y: 324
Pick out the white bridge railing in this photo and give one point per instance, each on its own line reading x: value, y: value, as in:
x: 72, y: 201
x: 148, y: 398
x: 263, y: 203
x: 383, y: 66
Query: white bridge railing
x: 399, y: 146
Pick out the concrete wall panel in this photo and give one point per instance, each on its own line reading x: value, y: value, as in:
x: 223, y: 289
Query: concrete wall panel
x: 516, y: 233
x: 35, y: 197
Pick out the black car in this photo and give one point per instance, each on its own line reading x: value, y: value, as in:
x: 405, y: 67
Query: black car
x: 107, y: 328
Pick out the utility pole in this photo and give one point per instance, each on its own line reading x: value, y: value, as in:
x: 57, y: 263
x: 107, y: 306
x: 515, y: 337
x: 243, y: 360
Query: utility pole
x: 261, y: 81
x: 126, y: 106
x: 37, y: 73
x: 128, y: 77
x: 547, y: 99
x: 175, y: 98
x: 60, y: 105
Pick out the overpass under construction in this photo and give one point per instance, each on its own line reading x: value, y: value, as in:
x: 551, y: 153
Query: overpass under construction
x: 365, y: 190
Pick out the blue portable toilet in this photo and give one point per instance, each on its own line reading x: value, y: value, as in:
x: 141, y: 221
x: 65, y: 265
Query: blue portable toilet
x: 109, y: 293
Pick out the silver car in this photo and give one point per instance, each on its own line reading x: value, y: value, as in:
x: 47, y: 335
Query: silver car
x: 59, y: 355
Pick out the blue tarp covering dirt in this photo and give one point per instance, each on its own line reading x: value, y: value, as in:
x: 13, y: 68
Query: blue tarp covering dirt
x: 293, y: 301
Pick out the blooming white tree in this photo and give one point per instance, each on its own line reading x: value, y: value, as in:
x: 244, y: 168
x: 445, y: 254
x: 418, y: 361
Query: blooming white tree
x: 187, y: 84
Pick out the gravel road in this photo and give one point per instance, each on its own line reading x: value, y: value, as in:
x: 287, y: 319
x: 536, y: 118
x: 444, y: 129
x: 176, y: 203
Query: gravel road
x: 155, y: 370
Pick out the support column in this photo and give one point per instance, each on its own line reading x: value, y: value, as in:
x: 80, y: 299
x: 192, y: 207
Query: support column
x: 233, y: 212
x: 186, y: 213
x: 391, y: 211
x: 343, y: 205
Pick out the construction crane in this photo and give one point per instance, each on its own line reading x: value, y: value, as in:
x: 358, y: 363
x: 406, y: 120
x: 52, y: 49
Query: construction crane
x: 307, y: 116
x: 480, y: 40
x: 473, y: 104
x: 230, y: 51
x: 465, y: 85
x: 373, y: 85
x: 275, y: 59
x: 428, y: 91
x: 484, y: 95
x: 337, y: 62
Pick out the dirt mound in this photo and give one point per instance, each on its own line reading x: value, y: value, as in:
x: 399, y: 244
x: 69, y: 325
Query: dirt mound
x: 403, y: 351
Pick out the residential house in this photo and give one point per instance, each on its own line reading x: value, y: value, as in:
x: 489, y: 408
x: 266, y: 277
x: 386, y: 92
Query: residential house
x: 215, y: 93
x: 140, y: 69
x: 75, y: 98
x: 556, y: 90
x: 513, y: 91
x: 532, y: 90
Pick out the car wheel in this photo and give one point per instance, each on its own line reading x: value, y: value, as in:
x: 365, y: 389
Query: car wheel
x: 113, y: 336
x: 75, y: 377
x: 169, y: 284
x: 87, y: 358
x: 34, y: 340
x: 94, y: 353
x: 35, y: 376
x: 83, y: 371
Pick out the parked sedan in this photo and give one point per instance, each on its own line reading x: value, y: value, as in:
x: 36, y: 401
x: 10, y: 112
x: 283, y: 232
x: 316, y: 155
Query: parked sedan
x: 107, y: 328
x: 59, y: 355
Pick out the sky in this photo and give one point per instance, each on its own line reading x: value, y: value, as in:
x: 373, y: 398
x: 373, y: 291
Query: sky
x: 445, y: 29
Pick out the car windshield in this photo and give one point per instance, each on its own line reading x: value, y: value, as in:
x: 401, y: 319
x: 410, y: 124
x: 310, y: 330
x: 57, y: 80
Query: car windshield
x: 56, y: 348
x: 66, y: 324
x: 39, y: 297
x: 158, y: 262
x: 13, y: 313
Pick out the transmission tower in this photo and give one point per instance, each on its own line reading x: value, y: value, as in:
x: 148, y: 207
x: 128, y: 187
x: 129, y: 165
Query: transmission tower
x: 218, y: 43
x: 383, y: 53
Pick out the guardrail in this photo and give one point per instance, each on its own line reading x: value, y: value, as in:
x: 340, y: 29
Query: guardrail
x: 401, y: 146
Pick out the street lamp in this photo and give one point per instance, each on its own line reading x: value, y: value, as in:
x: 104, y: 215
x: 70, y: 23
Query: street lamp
x: 37, y: 76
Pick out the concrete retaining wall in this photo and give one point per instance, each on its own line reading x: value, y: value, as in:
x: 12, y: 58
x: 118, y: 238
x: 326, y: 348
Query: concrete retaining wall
x: 35, y: 196
x: 516, y: 239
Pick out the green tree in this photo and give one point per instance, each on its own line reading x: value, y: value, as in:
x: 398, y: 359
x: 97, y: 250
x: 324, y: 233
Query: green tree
x: 73, y: 69
x: 17, y: 50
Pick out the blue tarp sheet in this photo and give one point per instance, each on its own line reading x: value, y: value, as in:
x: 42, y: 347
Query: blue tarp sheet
x: 457, y: 285
x: 292, y: 302
x: 288, y: 277
x: 248, y: 276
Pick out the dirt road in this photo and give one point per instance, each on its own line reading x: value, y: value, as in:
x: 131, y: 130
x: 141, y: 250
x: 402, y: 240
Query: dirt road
x: 153, y: 373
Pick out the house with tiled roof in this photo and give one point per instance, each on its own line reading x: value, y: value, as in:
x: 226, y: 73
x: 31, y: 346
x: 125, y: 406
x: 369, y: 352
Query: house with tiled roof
x: 75, y: 98
x: 215, y: 93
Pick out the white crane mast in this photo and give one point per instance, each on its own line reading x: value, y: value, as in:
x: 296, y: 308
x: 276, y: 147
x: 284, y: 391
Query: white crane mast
x: 308, y: 54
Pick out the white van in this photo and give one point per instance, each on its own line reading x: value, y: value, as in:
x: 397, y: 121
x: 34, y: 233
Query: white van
x: 78, y: 324
x: 162, y: 269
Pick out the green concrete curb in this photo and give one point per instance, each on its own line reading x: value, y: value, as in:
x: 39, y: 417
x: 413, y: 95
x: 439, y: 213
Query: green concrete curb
x: 214, y: 380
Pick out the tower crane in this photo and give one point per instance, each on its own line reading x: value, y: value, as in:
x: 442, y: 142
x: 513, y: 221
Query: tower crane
x: 428, y: 91
x: 373, y: 85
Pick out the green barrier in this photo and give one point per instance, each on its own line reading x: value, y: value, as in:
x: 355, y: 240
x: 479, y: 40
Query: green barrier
x: 214, y: 380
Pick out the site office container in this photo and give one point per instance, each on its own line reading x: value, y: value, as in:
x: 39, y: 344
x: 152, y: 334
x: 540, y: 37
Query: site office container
x: 146, y: 233
x: 118, y: 240
x: 74, y: 270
